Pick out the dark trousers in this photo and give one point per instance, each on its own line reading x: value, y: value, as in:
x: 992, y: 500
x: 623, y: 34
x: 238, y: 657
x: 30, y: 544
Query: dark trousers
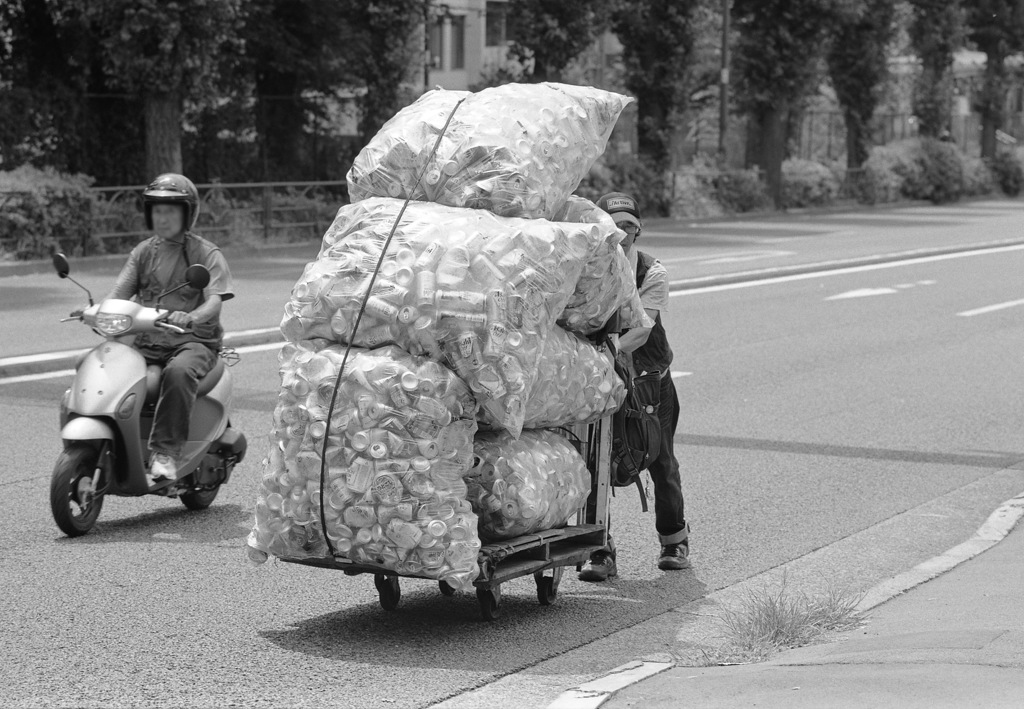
x: 669, y: 508
x: 183, y: 367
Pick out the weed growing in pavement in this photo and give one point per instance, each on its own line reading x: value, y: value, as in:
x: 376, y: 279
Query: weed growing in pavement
x: 768, y: 620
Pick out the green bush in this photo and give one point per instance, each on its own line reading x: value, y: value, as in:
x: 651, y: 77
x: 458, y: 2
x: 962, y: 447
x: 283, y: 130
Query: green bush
x: 693, y: 191
x: 919, y: 168
x: 943, y: 167
x: 806, y: 183
x: 978, y: 178
x: 741, y: 191
x: 43, y: 211
x: 632, y: 175
x: 1008, y: 172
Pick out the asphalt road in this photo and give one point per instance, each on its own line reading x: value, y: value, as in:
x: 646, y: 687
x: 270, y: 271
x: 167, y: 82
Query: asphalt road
x: 814, y: 408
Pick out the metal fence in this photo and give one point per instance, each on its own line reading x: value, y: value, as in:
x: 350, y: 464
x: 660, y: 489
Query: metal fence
x: 229, y: 213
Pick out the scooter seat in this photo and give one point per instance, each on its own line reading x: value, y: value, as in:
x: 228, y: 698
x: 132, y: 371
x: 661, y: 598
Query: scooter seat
x: 206, y: 384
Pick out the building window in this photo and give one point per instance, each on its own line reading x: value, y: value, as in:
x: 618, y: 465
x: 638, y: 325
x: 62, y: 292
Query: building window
x: 495, y: 33
x: 458, y: 26
x: 437, y: 43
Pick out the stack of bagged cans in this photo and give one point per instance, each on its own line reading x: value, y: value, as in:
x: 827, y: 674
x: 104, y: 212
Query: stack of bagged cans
x: 468, y: 309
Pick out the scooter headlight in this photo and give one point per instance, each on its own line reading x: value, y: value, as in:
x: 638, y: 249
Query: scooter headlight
x: 111, y: 324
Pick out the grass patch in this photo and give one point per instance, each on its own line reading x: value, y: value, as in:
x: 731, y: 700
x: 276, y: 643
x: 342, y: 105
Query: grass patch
x: 768, y: 620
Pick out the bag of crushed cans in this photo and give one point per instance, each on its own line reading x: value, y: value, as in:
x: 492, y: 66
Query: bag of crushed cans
x: 398, y: 444
x: 464, y: 287
x: 527, y: 485
x: 575, y: 383
x: 607, y: 283
x: 517, y: 150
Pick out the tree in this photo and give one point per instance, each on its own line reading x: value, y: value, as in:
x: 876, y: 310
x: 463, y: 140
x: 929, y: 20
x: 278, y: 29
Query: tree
x: 657, y: 44
x: 997, y: 28
x: 552, y: 33
x: 779, y: 48
x: 858, y: 63
x: 166, y: 52
x: 936, y: 31
x: 293, y: 48
x: 386, y: 38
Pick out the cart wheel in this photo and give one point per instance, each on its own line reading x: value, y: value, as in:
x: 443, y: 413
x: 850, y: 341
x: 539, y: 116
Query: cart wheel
x: 446, y: 590
x: 389, y: 590
x: 547, y: 586
x: 490, y: 602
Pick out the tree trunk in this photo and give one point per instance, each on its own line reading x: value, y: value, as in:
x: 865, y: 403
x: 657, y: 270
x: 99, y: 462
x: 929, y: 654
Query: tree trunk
x: 856, y: 140
x: 932, y: 101
x: 281, y: 124
x: 652, y: 131
x: 163, y: 133
x: 766, y: 148
x: 991, y: 107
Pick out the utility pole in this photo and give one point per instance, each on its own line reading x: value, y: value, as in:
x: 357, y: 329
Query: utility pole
x: 723, y: 93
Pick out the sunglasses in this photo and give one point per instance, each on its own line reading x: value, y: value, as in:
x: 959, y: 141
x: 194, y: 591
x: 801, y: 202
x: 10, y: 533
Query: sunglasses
x: 630, y: 228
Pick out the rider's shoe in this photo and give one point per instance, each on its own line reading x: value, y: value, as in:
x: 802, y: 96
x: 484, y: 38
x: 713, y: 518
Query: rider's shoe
x: 599, y: 568
x: 675, y: 557
x: 161, y: 469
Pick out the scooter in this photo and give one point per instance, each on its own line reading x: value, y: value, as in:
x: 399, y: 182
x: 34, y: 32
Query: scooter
x: 107, y: 414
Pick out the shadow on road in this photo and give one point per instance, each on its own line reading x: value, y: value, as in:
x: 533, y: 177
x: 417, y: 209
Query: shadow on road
x: 219, y: 523
x: 428, y: 630
x: 975, y: 459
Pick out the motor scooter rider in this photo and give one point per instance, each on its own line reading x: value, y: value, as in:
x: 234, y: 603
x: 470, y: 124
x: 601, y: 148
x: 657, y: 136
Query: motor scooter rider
x: 158, y: 264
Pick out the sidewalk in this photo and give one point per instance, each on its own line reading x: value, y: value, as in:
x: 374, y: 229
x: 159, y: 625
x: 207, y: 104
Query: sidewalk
x: 956, y: 640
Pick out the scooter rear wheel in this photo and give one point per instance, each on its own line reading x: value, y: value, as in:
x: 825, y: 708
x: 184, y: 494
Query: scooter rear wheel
x: 73, y: 502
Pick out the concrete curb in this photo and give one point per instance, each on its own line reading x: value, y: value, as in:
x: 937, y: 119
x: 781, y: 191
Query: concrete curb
x: 999, y: 524
x: 66, y: 359
x: 995, y: 529
x: 596, y: 692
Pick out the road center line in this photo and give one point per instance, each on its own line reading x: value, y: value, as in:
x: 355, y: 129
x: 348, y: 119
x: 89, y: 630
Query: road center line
x: 990, y: 308
x: 825, y: 272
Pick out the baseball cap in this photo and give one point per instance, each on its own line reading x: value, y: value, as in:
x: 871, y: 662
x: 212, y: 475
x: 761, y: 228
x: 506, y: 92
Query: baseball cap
x: 621, y: 207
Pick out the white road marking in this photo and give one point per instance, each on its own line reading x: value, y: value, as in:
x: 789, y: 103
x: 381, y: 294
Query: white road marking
x: 826, y: 273
x: 37, y: 377
x: 41, y: 376
x: 729, y: 257
x: 991, y: 308
x: 862, y: 293
x: 749, y: 256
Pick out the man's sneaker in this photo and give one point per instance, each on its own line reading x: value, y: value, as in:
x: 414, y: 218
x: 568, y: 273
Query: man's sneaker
x: 599, y: 568
x: 674, y: 557
x: 162, y: 468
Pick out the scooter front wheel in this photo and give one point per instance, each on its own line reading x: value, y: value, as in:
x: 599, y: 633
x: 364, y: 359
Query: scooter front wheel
x: 199, y: 499
x: 74, y: 502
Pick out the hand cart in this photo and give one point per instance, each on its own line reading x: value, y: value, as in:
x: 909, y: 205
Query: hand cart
x: 549, y: 550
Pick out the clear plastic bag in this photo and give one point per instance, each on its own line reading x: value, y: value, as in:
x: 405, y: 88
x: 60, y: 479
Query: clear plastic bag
x: 464, y: 287
x: 607, y: 283
x: 514, y: 150
x: 399, y: 443
x: 575, y: 383
x: 521, y: 486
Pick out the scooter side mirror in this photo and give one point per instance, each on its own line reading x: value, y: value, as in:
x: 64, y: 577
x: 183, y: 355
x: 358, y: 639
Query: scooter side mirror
x: 198, y: 276
x: 61, y: 265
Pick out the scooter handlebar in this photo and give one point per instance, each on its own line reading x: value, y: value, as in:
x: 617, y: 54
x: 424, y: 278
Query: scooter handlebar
x: 164, y: 325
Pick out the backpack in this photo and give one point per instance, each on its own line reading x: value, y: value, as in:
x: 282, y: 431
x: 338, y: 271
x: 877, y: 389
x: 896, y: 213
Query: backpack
x: 636, y: 428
